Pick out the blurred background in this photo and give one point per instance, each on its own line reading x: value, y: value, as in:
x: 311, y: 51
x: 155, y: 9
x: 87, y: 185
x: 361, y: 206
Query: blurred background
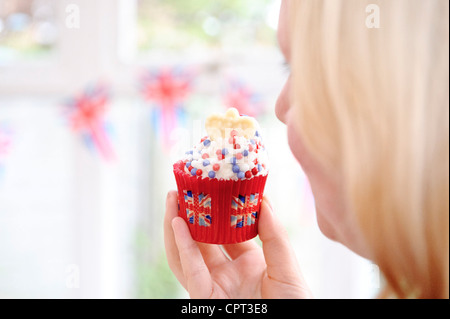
x: 97, y: 100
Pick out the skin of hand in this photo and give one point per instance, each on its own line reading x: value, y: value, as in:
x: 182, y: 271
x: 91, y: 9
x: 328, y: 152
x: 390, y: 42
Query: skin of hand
x: 240, y: 271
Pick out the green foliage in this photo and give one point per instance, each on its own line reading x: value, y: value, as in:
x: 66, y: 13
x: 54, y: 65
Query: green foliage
x: 154, y: 279
x: 176, y: 24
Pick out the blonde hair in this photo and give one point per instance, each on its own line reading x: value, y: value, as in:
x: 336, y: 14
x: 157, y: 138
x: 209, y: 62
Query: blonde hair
x: 373, y: 105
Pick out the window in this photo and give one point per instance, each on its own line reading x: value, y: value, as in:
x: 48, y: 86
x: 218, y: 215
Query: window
x: 27, y: 29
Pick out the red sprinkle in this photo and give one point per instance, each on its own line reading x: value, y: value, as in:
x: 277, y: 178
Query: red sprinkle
x: 231, y: 140
x: 199, y: 172
x: 254, y: 171
x: 234, y: 133
x: 205, y: 155
x: 239, y: 156
x: 220, y: 157
x: 250, y: 147
x: 248, y: 174
x: 216, y: 167
x: 237, y: 146
x: 219, y: 152
x: 204, y: 138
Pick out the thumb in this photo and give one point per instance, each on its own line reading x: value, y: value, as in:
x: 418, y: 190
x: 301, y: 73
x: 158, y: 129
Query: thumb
x: 282, y: 264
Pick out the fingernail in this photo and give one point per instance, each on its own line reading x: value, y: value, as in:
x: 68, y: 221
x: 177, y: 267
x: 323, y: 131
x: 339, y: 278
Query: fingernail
x: 169, y: 194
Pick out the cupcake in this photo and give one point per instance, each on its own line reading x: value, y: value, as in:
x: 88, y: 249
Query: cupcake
x: 221, y: 180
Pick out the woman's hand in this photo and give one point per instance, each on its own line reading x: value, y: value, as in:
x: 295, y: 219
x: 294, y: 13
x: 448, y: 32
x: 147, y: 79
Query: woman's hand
x: 248, y: 271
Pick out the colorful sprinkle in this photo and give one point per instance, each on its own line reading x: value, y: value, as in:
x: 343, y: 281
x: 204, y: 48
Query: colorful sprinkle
x: 248, y: 174
x: 255, y: 170
x: 205, y: 155
x: 188, y: 164
x: 199, y: 172
x: 206, y: 162
x: 239, y: 156
x: 216, y: 167
x: 211, y: 174
x: 206, y: 142
x: 245, y: 153
x: 236, y: 169
x: 224, y: 151
x: 241, y: 175
x: 193, y: 171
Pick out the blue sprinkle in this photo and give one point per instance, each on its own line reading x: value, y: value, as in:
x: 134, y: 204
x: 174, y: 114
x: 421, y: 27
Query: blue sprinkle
x: 241, y: 175
x: 256, y: 133
x: 245, y: 153
x: 191, y: 152
x: 206, y: 143
x: 212, y: 174
x: 236, y: 169
x: 188, y: 164
x: 224, y: 151
x: 205, y: 162
x: 233, y: 160
x: 252, y: 141
x: 194, y: 171
x: 259, y: 168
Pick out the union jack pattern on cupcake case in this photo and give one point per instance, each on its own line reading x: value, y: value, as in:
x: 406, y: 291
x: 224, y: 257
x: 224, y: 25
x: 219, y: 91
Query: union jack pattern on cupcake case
x: 244, y: 210
x: 198, y: 208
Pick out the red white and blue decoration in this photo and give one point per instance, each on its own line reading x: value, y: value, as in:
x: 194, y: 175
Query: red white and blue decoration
x: 5, y: 144
x: 198, y: 208
x: 244, y: 210
x: 241, y: 97
x: 167, y: 89
x: 86, y: 115
x: 5, y: 140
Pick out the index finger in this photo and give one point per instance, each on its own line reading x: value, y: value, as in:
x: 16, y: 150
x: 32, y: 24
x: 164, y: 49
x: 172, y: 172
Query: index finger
x: 172, y: 254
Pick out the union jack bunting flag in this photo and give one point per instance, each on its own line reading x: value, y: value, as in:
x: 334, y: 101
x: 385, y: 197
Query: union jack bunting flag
x: 244, y: 210
x: 198, y: 208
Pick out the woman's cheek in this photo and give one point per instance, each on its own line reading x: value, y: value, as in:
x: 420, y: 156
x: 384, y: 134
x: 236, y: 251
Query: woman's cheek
x: 296, y: 145
x: 323, y: 190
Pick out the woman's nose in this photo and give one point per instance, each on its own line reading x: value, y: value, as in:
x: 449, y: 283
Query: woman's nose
x: 282, y: 104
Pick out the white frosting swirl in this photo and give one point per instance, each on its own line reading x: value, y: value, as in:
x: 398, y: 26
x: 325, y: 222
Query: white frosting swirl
x: 234, y: 157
